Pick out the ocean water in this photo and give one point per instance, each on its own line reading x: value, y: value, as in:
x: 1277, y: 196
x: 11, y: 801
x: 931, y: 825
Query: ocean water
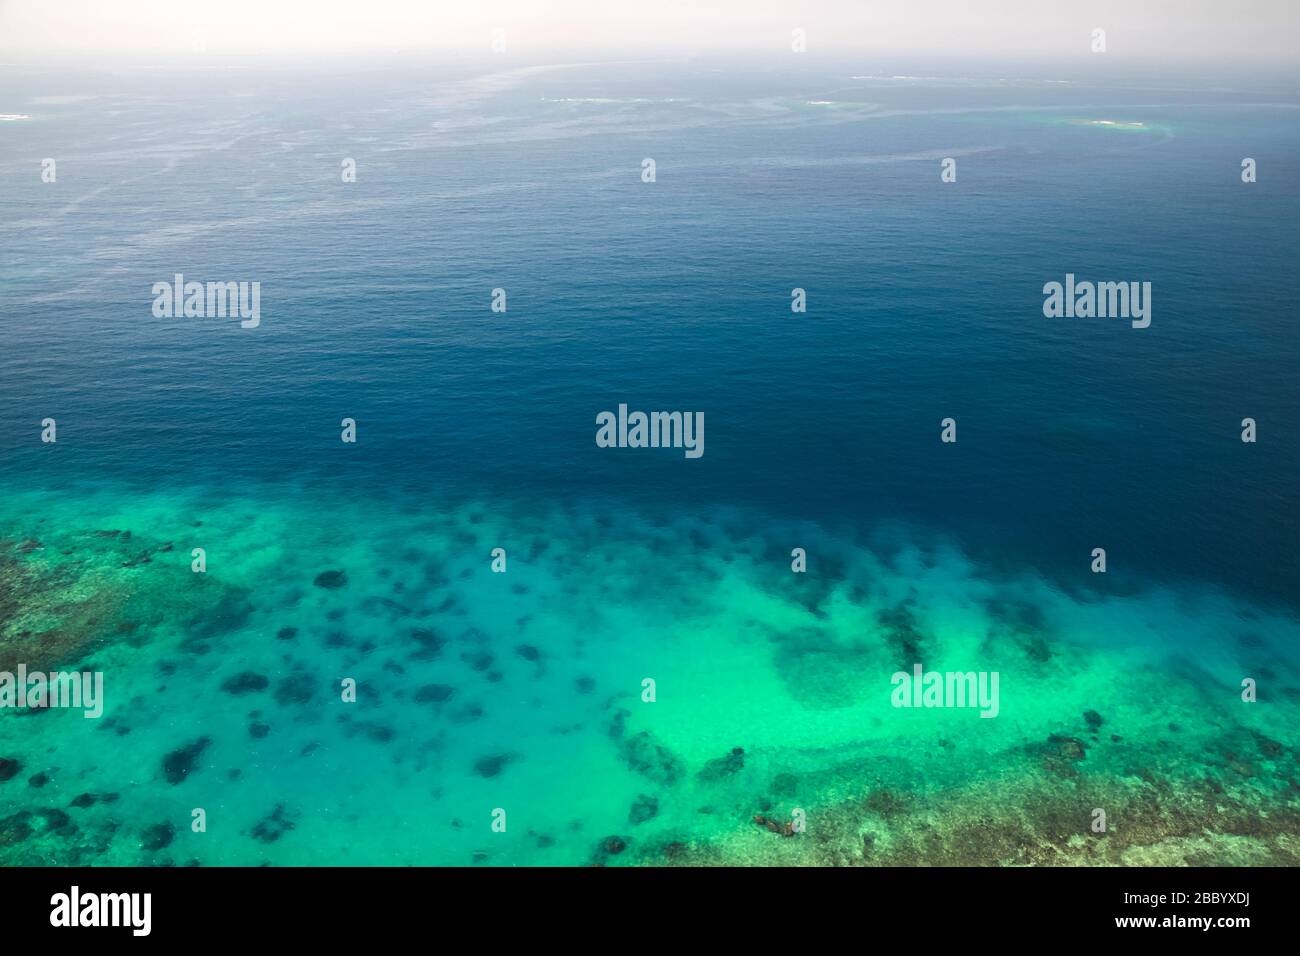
x: 518, y: 696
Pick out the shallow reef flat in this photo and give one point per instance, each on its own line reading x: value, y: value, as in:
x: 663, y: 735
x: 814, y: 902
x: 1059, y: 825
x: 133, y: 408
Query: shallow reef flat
x: 504, y: 719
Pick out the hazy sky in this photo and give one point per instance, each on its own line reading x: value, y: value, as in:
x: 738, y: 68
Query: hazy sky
x: 1225, y: 30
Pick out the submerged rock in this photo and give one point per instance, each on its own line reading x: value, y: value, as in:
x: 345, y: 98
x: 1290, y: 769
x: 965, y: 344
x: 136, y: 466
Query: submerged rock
x: 1068, y: 748
x: 58, y: 612
x: 57, y: 821
x: 178, y: 764
x: 721, y: 767
x: 885, y: 802
x: 273, y: 826
x: 380, y: 733
x: 675, y: 850
x: 295, y: 689
x: 245, y: 682
x: 429, y: 644
x: 775, y: 826
x: 491, y: 766
x: 785, y: 785
x: 645, y: 755
x: 644, y: 807
x: 158, y: 837
x: 467, y: 713
x: 1267, y: 745
x: 651, y: 759
x: 15, y: 828
x: 1060, y: 754
x: 434, y: 693
x: 613, y: 845
x: 609, y: 846
x: 901, y: 632
x: 331, y: 580
x: 1026, y: 624
x: 9, y: 767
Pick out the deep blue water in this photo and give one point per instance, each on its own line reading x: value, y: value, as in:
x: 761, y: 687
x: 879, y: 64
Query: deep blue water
x: 924, y: 298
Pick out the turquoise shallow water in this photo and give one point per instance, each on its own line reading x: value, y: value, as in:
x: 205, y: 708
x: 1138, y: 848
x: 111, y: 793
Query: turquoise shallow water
x: 522, y: 691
